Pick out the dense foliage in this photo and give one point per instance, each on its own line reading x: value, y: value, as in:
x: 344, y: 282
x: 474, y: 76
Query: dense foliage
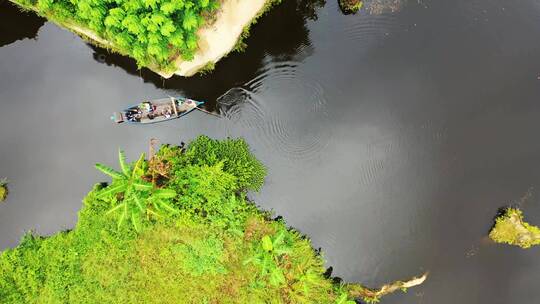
x: 154, y: 32
x: 215, y: 247
x: 510, y: 228
x: 350, y: 6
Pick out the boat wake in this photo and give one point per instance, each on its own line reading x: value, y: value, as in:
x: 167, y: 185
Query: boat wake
x: 258, y: 106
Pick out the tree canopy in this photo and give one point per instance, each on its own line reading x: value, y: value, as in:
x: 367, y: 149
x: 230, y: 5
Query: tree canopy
x: 153, y: 32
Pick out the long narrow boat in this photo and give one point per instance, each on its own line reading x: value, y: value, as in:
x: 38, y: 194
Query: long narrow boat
x: 158, y: 110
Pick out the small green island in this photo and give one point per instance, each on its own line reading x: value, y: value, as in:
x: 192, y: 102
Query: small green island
x: 177, y: 228
x: 3, y: 189
x: 169, y: 37
x: 510, y: 228
x: 350, y: 6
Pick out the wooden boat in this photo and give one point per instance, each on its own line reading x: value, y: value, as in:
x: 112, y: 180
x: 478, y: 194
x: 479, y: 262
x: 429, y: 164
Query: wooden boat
x: 158, y: 110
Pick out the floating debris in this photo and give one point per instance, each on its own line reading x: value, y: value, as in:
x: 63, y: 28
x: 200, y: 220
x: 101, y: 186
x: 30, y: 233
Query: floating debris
x: 372, y: 295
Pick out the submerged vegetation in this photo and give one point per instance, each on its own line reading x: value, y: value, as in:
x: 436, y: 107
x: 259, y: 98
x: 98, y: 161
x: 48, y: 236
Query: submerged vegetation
x: 177, y: 228
x: 350, y: 6
x: 3, y: 189
x: 153, y: 32
x: 510, y: 228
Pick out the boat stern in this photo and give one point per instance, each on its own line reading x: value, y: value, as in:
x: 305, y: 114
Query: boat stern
x: 117, y: 117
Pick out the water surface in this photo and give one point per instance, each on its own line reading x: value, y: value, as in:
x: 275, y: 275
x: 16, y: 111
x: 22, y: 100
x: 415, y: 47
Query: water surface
x: 391, y: 139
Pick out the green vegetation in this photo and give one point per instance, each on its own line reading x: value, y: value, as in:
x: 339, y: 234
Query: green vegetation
x: 131, y: 196
x: 154, y: 32
x: 3, y: 189
x: 350, y: 6
x: 177, y: 228
x: 510, y: 228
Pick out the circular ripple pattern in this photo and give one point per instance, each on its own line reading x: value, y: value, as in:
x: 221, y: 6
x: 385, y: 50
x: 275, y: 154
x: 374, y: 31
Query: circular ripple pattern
x: 287, y: 111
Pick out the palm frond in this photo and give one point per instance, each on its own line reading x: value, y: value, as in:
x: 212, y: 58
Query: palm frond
x: 142, y: 186
x: 164, y: 193
x: 136, y: 221
x: 109, y: 171
x: 113, y: 209
x: 150, y: 211
x: 112, y: 189
x: 123, y: 216
x: 138, y: 203
x: 123, y: 164
x: 168, y: 207
x: 137, y: 170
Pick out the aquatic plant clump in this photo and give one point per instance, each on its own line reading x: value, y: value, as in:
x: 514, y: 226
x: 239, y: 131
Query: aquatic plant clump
x: 350, y: 6
x: 510, y: 228
x: 3, y: 189
x: 153, y: 32
x: 177, y: 228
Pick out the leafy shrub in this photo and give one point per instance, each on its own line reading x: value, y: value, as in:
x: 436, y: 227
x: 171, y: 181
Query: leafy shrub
x: 350, y: 6
x: 235, y: 156
x: 154, y: 32
x: 510, y: 228
x: 131, y: 196
x: 268, y: 255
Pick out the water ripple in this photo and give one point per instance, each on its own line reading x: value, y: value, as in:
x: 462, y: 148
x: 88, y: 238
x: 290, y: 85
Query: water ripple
x: 300, y: 131
x: 371, y: 27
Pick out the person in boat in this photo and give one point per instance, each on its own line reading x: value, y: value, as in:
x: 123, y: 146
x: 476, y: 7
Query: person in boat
x: 145, y: 106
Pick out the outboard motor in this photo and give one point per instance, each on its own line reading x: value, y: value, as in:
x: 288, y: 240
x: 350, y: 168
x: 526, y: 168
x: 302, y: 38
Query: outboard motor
x: 117, y: 117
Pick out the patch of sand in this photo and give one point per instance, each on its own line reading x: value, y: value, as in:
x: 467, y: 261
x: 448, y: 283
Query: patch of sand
x: 219, y: 38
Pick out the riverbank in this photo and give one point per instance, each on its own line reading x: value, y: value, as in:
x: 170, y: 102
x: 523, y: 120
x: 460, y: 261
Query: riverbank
x: 217, y: 33
x: 221, y: 37
x: 177, y: 228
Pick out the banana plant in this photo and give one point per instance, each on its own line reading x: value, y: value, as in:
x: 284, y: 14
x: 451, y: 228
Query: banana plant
x: 267, y: 258
x: 131, y: 195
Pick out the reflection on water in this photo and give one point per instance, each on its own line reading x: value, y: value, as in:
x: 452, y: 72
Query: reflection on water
x: 294, y: 46
x: 16, y: 25
x: 385, y: 6
x: 390, y: 139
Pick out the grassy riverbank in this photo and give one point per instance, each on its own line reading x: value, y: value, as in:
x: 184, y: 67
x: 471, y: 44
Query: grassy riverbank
x: 167, y: 36
x: 175, y: 229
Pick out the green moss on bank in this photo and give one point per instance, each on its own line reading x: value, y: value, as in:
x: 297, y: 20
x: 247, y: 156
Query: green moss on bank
x: 175, y: 229
x: 510, y: 228
x: 350, y: 6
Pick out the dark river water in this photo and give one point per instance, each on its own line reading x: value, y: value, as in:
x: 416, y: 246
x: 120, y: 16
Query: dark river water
x: 391, y: 139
